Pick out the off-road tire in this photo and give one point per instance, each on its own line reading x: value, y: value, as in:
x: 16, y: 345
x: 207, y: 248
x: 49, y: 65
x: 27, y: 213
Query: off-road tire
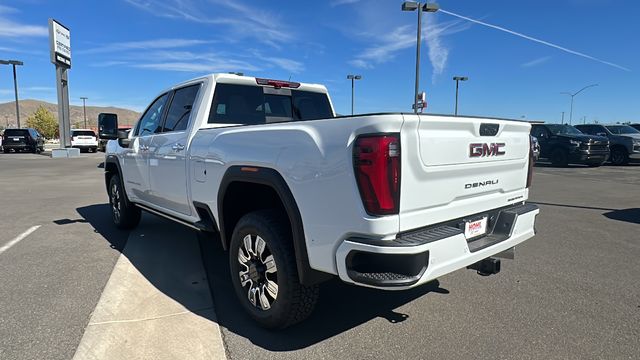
x: 294, y: 302
x: 125, y: 215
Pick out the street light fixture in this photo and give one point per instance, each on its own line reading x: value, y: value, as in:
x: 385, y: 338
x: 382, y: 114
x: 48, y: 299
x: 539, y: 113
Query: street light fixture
x: 428, y: 7
x: 15, y: 83
x: 84, y: 110
x: 353, y: 78
x: 457, y: 79
x: 574, y: 95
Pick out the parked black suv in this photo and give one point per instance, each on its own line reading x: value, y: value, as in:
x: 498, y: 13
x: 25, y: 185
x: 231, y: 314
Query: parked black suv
x: 22, y: 139
x: 623, y: 139
x: 564, y: 144
x: 635, y: 126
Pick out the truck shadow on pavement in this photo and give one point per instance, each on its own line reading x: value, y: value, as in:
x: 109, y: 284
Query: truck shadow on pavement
x: 631, y: 215
x: 341, y: 307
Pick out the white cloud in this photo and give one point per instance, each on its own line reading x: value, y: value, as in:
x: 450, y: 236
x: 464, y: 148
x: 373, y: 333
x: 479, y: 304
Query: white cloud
x: 289, y: 65
x: 335, y: 3
x: 531, y: 38
x: 242, y: 21
x: 182, y: 61
x: 536, y: 62
x: 11, y: 29
x: 359, y: 63
x: 404, y: 37
x: 145, y: 45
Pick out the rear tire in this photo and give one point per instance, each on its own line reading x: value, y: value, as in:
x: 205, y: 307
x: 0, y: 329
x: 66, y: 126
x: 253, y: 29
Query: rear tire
x: 261, y: 255
x: 559, y: 157
x: 619, y: 157
x: 125, y: 215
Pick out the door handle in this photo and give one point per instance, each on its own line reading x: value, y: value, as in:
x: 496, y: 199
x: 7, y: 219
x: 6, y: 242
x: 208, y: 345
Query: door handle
x: 177, y: 147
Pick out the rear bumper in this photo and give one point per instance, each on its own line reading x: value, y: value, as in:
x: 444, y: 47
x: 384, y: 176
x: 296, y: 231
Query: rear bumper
x: 17, y: 146
x: 85, y: 146
x: 420, y: 256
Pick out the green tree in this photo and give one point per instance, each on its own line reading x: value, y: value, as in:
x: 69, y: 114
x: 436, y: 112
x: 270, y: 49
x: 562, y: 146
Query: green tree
x: 44, y: 121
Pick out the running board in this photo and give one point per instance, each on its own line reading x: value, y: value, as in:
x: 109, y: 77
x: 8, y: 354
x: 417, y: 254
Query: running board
x: 169, y: 217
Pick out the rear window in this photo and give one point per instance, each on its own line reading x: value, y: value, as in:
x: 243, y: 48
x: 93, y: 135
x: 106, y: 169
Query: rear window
x: 250, y: 105
x: 83, y: 133
x: 16, y: 132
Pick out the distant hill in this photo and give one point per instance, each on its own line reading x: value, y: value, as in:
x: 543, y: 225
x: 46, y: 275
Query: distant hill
x: 29, y: 106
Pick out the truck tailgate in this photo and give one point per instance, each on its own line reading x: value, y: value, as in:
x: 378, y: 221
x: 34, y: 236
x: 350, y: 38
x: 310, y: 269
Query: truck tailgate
x: 459, y: 166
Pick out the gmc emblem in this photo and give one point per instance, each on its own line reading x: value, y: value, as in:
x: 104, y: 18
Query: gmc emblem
x: 481, y: 150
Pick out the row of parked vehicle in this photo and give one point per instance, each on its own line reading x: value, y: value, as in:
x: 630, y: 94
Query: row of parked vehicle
x: 588, y: 144
x: 30, y: 140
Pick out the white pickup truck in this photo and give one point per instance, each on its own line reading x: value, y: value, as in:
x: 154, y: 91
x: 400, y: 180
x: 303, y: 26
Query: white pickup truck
x: 297, y: 194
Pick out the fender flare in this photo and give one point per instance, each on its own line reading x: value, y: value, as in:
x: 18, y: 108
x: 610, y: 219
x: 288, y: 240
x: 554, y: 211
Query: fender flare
x: 112, y: 159
x: 272, y: 178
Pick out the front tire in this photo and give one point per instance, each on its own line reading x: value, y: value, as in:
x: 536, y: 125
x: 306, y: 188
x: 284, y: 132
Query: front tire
x: 619, y: 157
x: 264, y: 273
x: 125, y: 215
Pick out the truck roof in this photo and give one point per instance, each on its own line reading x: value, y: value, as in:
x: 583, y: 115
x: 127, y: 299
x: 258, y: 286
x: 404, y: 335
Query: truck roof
x: 248, y: 80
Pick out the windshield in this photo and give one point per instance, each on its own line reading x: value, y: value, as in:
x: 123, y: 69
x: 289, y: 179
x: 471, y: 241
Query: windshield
x: 83, y: 133
x: 15, y: 132
x: 622, y: 129
x: 557, y: 129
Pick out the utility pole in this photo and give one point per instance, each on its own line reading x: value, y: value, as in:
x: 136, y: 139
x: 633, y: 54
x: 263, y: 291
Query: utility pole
x: 410, y: 6
x: 457, y: 79
x: 562, y: 118
x: 84, y: 109
x: 15, y: 84
x: 574, y: 95
x: 353, y: 78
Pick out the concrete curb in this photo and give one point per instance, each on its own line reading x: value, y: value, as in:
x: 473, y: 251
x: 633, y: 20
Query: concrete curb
x: 156, y: 304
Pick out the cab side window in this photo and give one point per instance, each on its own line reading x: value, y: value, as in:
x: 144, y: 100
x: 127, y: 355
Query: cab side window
x: 180, y: 108
x: 150, y: 123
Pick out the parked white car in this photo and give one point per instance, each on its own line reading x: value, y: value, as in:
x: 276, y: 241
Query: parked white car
x: 298, y: 195
x: 84, y: 139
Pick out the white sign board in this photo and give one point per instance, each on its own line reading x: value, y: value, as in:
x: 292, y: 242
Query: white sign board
x: 60, y: 43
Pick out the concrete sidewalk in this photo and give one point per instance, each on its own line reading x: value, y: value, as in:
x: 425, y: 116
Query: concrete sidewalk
x: 157, y: 303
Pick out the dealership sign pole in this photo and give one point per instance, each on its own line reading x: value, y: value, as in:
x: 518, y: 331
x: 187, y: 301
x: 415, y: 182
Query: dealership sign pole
x: 60, y: 45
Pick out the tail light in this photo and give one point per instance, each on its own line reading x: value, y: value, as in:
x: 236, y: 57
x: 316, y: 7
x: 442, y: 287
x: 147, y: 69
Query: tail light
x: 376, y: 163
x: 531, y: 161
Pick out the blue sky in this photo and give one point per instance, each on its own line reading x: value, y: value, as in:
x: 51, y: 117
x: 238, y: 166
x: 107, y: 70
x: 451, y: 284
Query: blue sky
x: 126, y: 51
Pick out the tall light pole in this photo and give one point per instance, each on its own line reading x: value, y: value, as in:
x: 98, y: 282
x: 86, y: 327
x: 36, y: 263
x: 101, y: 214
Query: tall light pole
x: 353, y: 78
x: 574, y: 95
x: 15, y: 83
x: 84, y: 109
x: 411, y: 6
x: 457, y: 79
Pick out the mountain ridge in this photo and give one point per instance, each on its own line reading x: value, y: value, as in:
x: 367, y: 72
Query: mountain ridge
x: 76, y: 114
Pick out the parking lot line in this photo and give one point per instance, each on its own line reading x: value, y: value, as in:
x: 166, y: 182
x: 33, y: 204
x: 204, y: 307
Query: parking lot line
x: 18, y: 238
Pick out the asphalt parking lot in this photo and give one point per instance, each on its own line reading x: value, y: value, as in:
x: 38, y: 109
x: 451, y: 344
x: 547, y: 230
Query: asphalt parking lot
x: 571, y: 293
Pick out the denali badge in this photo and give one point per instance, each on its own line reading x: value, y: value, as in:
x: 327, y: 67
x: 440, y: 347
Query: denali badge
x: 480, y: 150
x: 481, y: 184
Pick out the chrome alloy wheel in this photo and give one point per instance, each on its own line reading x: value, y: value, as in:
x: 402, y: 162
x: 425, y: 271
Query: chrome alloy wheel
x: 258, y: 272
x: 115, y: 202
